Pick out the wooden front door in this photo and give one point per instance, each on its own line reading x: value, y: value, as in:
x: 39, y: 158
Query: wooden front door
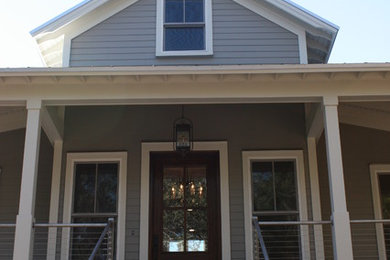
x: 185, y: 206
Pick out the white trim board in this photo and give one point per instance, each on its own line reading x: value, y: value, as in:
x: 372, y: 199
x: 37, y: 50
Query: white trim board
x: 250, y: 156
x: 105, y: 10
x: 375, y: 170
x: 280, y: 20
x: 54, y: 199
x: 72, y: 158
x: 222, y: 148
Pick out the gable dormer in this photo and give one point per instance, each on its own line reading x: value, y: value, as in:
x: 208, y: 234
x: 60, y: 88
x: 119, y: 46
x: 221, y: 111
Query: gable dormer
x: 196, y: 32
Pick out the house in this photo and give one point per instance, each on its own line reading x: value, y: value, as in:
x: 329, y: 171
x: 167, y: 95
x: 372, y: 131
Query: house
x: 274, y: 132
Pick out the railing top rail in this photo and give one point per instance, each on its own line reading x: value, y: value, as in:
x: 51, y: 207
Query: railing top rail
x: 7, y: 225
x: 298, y: 223
x: 367, y: 221
x: 70, y: 224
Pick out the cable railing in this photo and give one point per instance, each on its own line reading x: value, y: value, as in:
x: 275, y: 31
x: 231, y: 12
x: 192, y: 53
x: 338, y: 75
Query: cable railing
x: 80, y: 241
x: 7, y: 236
x: 371, y: 238
x: 84, y: 240
x: 292, y: 240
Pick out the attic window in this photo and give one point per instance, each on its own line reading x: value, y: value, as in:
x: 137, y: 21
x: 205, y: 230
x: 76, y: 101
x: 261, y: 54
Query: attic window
x: 184, y: 28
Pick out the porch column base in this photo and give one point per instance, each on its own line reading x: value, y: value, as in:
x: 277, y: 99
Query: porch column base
x: 341, y: 234
x: 23, y: 237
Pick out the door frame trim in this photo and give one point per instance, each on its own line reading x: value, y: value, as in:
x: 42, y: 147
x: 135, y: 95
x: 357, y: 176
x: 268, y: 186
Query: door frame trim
x: 222, y: 148
x: 375, y: 170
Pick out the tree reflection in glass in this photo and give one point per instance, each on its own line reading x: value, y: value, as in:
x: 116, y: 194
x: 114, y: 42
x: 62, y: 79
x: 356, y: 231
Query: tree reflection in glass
x: 185, y: 227
x: 196, y: 188
x: 173, y: 230
x: 197, y: 230
x: 173, y: 188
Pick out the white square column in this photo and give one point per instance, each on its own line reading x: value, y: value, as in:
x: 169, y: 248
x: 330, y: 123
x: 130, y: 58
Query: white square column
x: 24, y: 221
x: 341, y: 229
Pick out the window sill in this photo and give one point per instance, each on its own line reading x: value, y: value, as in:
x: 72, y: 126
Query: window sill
x: 183, y: 53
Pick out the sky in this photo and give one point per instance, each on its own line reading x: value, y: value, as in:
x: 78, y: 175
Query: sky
x: 364, y: 34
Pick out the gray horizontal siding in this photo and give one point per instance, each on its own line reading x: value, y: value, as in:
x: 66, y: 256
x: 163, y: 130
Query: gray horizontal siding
x: 11, y: 161
x: 245, y: 127
x: 128, y: 38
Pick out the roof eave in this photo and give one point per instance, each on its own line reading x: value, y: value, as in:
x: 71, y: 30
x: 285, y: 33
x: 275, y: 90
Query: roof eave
x: 68, y: 16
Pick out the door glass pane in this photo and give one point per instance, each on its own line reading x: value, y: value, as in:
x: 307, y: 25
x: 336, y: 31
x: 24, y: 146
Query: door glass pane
x: 84, y: 193
x: 262, y: 186
x: 173, y: 188
x: 197, y: 230
x: 194, y: 11
x: 107, y: 182
x: 174, y: 11
x: 196, y: 187
x: 384, y: 182
x: 184, y: 38
x: 285, y: 186
x: 173, y: 230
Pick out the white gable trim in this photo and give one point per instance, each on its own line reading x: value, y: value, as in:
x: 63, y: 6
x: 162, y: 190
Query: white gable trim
x: 78, y: 25
x: 303, y: 14
x: 287, y: 24
x: 73, y: 25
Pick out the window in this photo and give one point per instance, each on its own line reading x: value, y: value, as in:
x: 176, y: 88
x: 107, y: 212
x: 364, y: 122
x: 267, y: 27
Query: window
x: 95, y: 190
x: 380, y: 181
x: 274, y: 187
x: 94, y: 201
x: 184, y: 27
x: 275, y: 199
x: 274, y: 190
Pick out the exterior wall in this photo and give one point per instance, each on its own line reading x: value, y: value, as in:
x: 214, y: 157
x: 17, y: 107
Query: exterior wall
x: 360, y: 148
x: 245, y: 127
x: 11, y: 160
x: 129, y: 38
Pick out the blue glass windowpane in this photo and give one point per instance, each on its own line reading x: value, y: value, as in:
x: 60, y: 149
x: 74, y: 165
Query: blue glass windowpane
x: 194, y: 11
x: 181, y: 39
x: 174, y: 11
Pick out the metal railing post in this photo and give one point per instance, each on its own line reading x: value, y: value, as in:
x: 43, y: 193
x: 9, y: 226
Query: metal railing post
x: 110, y: 239
x: 255, y: 222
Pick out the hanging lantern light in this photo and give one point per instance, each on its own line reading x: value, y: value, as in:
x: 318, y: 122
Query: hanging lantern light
x: 182, y: 134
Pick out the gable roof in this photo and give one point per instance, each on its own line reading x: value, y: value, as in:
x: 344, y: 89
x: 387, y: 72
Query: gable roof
x: 320, y: 33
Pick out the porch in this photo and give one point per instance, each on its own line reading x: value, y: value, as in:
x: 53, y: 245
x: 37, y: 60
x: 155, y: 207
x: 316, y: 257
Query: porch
x: 249, y: 116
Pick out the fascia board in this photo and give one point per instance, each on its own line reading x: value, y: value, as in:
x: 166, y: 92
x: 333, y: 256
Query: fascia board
x: 303, y: 14
x: 68, y: 16
x: 180, y: 70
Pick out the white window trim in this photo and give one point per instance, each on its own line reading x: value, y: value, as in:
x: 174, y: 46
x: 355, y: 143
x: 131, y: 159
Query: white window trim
x: 72, y: 159
x: 208, y: 19
x: 375, y: 170
x: 222, y: 148
x: 247, y: 158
